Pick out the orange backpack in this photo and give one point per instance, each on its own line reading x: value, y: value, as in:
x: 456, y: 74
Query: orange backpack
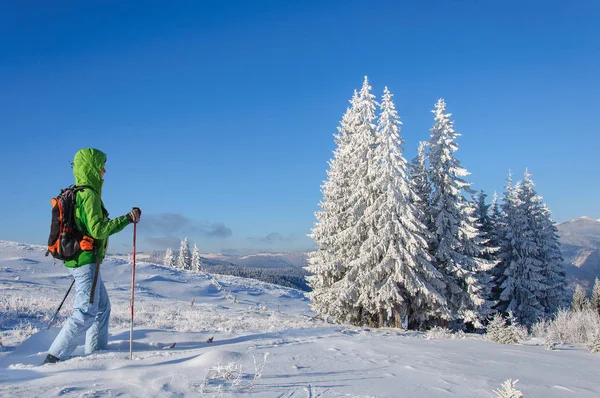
x: 66, y: 240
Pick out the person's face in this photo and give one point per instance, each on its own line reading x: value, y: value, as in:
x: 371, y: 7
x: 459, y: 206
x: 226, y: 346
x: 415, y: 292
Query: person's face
x: 102, y: 172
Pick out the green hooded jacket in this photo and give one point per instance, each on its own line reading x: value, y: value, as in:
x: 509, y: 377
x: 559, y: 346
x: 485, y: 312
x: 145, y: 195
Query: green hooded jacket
x: 90, y: 216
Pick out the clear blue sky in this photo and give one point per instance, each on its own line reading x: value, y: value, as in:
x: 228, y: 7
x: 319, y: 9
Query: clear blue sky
x: 218, y: 117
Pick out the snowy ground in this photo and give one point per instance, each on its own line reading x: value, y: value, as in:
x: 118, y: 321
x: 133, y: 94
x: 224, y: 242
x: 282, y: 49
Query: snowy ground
x: 265, y: 344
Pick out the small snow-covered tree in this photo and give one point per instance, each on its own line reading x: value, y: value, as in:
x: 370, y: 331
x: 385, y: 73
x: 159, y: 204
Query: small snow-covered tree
x: 169, y: 260
x: 196, y: 262
x: 505, y: 330
x: 509, y: 390
x: 184, y: 261
x: 456, y: 244
x: 595, y: 301
x: 580, y: 301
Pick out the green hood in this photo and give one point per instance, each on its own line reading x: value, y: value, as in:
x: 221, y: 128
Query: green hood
x: 87, y: 168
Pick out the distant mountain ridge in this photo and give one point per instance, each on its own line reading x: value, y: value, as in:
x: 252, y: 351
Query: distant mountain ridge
x: 269, y: 260
x: 580, y: 246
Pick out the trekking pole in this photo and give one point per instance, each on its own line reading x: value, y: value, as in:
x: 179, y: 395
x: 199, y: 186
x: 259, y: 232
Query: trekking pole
x: 132, y: 294
x: 61, y: 304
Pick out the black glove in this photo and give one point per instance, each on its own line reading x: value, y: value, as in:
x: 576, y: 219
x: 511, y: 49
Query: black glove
x: 134, y: 215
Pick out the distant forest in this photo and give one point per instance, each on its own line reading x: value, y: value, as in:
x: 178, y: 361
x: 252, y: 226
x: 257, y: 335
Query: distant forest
x: 289, y: 277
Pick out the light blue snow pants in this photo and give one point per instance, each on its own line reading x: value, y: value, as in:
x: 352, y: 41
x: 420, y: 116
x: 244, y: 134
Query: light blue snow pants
x: 91, y: 319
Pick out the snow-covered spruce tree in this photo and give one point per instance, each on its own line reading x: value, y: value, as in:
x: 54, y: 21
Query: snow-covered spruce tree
x: 500, y: 275
x: 579, y: 301
x: 196, y: 262
x: 520, y: 271
x: 523, y: 279
x: 543, y: 245
x: 361, y: 194
x: 456, y: 244
x: 169, y: 260
x: 555, y: 295
x: 495, y: 219
x: 485, y: 225
x: 495, y: 240
x: 328, y: 263
x: 595, y: 301
x: 394, y: 269
x: 422, y: 187
x: 184, y: 261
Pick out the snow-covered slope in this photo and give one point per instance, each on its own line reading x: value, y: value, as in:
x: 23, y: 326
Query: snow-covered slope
x: 266, y: 344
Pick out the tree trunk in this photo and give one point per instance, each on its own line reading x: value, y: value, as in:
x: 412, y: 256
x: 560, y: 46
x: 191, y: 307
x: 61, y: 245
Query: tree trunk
x: 381, y: 317
x: 398, y: 317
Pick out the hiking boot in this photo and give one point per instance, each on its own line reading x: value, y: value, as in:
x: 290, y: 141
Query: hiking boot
x: 51, y: 359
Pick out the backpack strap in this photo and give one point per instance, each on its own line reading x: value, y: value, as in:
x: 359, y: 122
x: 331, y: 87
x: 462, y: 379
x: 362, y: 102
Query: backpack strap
x: 77, y: 188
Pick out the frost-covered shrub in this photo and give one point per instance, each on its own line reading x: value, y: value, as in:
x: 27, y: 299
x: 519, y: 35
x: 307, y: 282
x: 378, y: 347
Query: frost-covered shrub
x: 594, y: 345
x: 229, y: 373
x: 574, y: 327
x: 505, y: 330
x: 508, y: 390
x: 550, y: 343
x: 182, y: 317
x: 16, y: 309
x: 259, y: 368
x: 438, y: 332
x: 540, y: 328
x: 580, y: 301
x: 21, y: 316
x: 231, y: 376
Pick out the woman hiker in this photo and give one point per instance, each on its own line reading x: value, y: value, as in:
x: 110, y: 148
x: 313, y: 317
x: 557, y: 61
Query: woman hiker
x: 89, y: 316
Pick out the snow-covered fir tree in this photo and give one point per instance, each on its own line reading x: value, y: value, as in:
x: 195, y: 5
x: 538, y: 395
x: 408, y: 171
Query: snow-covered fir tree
x: 519, y: 272
x: 495, y: 240
x: 579, y: 301
x: 361, y: 193
x: 533, y: 282
x: 484, y: 224
x: 531, y: 276
x: 495, y: 219
x: 169, y: 259
x: 328, y: 263
x: 490, y: 245
x: 595, y: 300
x: 554, y: 295
x: 422, y: 187
x: 196, y: 262
x: 456, y: 244
x: 394, y: 270
x: 184, y: 260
